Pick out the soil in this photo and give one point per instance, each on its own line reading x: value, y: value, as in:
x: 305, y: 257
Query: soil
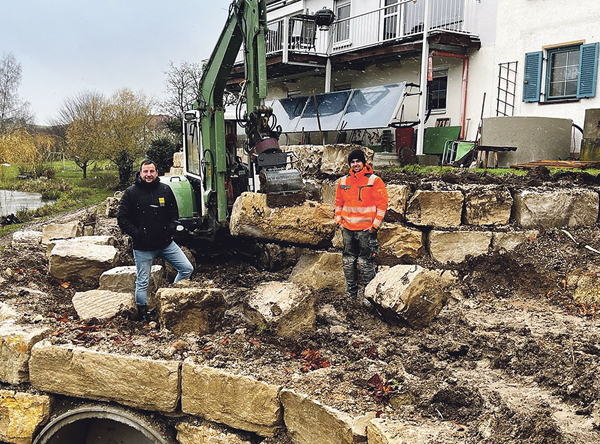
x: 512, y: 358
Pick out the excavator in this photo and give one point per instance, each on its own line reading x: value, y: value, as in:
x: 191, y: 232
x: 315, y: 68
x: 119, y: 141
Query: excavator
x: 216, y: 170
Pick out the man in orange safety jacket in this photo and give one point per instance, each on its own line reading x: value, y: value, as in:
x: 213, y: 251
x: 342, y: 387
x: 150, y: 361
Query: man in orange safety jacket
x: 360, y: 204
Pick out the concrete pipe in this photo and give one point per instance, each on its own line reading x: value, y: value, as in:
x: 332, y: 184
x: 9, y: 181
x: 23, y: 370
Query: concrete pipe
x: 100, y: 424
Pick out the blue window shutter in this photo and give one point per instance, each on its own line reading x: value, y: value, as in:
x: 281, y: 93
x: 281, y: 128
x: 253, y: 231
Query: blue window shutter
x: 533, y: 76
x: 588, y: 70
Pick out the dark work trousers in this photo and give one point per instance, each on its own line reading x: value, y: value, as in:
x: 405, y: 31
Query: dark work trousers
x: 360, y: 250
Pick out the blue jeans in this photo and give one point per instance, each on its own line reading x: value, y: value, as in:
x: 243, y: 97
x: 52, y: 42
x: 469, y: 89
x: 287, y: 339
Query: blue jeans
x: 143, y: 263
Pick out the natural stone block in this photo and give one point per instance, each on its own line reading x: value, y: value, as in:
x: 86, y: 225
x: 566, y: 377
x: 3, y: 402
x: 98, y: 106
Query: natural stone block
x: 94, y: 240
x: 112, y: 206
x: 387, y: 431
x: 191, y: 310
x: 556, y: 208
x: 122, y: 280
x: 284, y: 307
x: 488, y: 205
x: 16, y: 342
x: 102, y: 304
x: 585, y: 286
x: 455, y: 246
x: 328, y: 190
x: 24, y: 238
x: 397, y: 198
x: 309, y: 157
x: 320, y: 271
x: 334, y: 161
x: 7, y: 312
x: 82, y: 373
x: 21, y: 415
x: 208, y: 433
x: 81, y: 261
x: 308, y: 421
x: 409, y: 294
x: 61, y: 231
x: 508, y: 241
x: 239, y: 401
x: 310, y: 223
x: 399, y: 241
x: 435, y: 208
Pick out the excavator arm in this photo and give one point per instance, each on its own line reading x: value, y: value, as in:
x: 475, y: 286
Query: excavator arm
x: 211, y: 162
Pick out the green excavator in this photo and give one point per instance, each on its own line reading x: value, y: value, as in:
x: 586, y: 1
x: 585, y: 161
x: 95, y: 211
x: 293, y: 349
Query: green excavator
x: 215, y: 173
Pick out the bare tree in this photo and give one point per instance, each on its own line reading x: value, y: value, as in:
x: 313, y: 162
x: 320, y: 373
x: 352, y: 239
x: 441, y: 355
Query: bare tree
x: 183, y: 85
x: 81, y: 123
x: 12, y: 109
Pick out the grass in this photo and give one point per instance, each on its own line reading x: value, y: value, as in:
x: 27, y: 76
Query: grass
x: 66, y: 187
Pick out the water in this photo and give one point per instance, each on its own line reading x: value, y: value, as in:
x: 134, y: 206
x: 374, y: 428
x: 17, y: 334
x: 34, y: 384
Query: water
x: 13, y: 201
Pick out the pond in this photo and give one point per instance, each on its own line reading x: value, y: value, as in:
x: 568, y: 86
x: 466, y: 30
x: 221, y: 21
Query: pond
x: 13, y: 201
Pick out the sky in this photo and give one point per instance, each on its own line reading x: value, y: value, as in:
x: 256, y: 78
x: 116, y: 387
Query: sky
x: 66, y: 47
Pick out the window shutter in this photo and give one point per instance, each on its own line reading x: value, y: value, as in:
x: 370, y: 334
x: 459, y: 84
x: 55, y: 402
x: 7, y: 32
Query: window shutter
x: 588, y: 70
x: 533, y: 76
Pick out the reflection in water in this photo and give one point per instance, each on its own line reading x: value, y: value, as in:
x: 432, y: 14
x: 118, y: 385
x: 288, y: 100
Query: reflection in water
x: 13, y: 201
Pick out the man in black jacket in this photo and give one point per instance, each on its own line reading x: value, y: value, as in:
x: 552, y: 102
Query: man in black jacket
x: 148, y: 213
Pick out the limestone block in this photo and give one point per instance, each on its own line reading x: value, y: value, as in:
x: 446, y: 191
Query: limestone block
x: 81, y: 261
x: 396, y: 240
x: 435, y: 208
x: 175, y: 171
x: 308, y: 421
x: 284, y: 307
x: 409, y: 294
x: 178, y: 159
x: 122, y: 280
x: 512, y: 239
x: 585, y: 286
x: 16, y: 342
x: 328, y: 189
x: 335, y: 158
x: 556, y: 208
x: 21, y: 415
x: 112, y: 206
x: 25, y: 238
x: 239, y: 401
x: 397, y: 198
x: 310, y: 223
x: 320, y: 271
x: 191, y: 310
x: 488, y: 205
x: 102, y: 304
x: 61, y: 231
x: 82, y: 373
x: 209, y: 434
x: 455, y: 246
x: 94, y: 240
x: 309, y: 157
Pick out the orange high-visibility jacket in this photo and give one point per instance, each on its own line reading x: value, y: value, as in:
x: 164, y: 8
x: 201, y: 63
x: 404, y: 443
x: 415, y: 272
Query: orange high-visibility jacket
x: 360, y: 200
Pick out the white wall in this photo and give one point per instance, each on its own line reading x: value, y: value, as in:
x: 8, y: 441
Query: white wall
x: 529, y: 25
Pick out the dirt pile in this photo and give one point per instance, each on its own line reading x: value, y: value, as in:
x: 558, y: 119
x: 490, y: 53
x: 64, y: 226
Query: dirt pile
x: 514, y: 359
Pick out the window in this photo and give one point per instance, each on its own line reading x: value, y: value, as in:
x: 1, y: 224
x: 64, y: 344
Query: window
x: 438, y: 90
x: 570, y: 73
x: 342, y: 11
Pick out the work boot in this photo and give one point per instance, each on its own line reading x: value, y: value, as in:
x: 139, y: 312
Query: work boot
x: 143, y: 313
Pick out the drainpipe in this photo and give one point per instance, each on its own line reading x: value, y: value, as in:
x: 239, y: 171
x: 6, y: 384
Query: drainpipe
x: 465, y: 78
x: 424, y: 70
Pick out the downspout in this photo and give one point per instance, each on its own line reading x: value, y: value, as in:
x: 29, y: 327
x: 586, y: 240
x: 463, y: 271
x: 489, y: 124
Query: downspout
x: 465, y: 78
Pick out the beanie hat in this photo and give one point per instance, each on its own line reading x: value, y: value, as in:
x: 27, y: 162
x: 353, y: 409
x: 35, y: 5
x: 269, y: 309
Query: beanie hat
x: 358, y: 155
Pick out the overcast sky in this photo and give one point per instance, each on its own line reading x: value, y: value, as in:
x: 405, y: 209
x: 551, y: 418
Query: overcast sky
x: 69, y: 46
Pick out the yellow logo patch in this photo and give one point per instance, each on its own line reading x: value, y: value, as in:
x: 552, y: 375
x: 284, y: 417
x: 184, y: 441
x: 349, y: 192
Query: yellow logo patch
x: 161, y: 200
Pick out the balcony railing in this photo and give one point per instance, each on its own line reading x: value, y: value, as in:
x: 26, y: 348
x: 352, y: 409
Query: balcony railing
x: 299, y: 34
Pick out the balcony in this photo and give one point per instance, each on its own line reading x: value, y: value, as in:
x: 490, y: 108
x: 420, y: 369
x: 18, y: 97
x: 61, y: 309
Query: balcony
x: 296, y: 44
x: 299, y: 34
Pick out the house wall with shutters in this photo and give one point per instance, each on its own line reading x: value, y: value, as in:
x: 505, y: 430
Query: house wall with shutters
x: 527, y: 30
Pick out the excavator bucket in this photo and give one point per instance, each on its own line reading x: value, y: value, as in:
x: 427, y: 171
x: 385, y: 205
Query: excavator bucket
x: 283, y: 187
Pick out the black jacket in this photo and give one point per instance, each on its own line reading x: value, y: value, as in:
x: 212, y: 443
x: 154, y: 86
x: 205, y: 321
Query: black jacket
x: 148, y: 213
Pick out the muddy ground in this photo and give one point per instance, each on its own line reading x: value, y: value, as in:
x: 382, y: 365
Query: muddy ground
x: 511, y: 359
